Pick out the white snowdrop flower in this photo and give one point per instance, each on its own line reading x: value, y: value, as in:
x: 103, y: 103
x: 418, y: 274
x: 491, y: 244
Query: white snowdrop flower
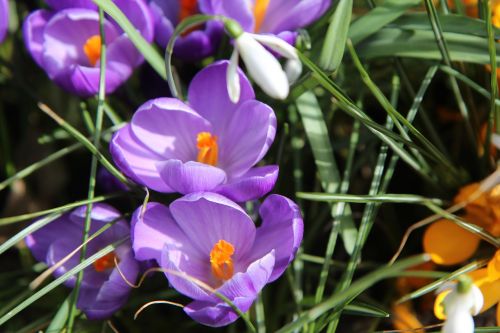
x: 261, y: 64
x: 462, y: 301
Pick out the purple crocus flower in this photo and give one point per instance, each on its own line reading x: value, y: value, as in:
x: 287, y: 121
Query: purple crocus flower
x: 209, y: 144
x: 66, y: 43
x: 103, y: 289
x: 4, y: 18
x: 193, y: 45
x: 209, y: 238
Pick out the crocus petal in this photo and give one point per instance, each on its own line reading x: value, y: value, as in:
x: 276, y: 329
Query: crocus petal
x: 4, y: 18
x: 199, y: 44
x: 183, y: 271
x: 191, y: 176
x: 33, y: 28
x: 242, y: 290
x: 139, y: 14
x: 240, y: 11
x: 39, y: 241
x: 63, y: 4
x: 254, y: 184
x: 113, y: 293
x: 152, y: 227
x: 448, y: 243
x: 246, y: 138
x: 233, y: 79
x: 291, y: 15
x: 84, y: 81
x: 263, y: 67
x: 169, y: 128
x: 208, y: 94
x: 281, y: 230
x: 65, y: 35
x: 136, y: 160
x: 207, y: 218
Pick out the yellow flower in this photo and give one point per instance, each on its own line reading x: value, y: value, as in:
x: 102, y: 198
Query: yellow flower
x: 449, y: 244
x: 487, y: 280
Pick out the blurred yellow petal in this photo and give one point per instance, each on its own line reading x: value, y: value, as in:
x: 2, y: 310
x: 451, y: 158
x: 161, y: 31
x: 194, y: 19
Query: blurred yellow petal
x: 438, y: 305
x: 494, y: 267
x: 449, y: 244
x: 490, y: 289
x: 404, y: 318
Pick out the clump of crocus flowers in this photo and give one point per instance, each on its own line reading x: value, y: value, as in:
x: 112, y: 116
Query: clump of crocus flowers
x: 209, y: 149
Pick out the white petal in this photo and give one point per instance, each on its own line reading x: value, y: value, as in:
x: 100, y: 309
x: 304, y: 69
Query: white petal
x: 233, y: 79
x: 478, y: 300
x: 293, y: 68
x: 495, y: 139
x: 278, y: 45
x: 458, y: 322
x: 263, y: 67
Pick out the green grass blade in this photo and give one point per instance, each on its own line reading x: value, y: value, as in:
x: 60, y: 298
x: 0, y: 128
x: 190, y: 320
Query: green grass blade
x: 59, y: 320
x: 363, y: 309
x: 40, y: 164
x: 336, y: 37
x: 86, y: 143
x: 187, y: 23
x: 435, y: 285
x: 375, y: 198
x: 355, y: 289
x: 378, y: 18
x: 26, y: 231
x: 14, y: 219
x: 147, y: 50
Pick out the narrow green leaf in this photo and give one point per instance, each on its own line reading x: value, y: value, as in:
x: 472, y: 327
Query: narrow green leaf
x: 336, y: 37
x: 381, y: 198
x: 365, y: 309
x: 26, y: 231
x: 390, y: 42
x: 355, y: 289
x: 434, y: 285
x: 61, y: 209
x: 59, y: 320
x: 378, y: 18
x: 147, y: 50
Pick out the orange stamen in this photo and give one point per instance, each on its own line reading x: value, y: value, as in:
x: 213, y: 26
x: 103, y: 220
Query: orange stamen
x: 105, y: 262
x: 259, y: 12
x: 208, y: 150
x: 187, y: 8
x: 92, y: 49
x: 221, y: 261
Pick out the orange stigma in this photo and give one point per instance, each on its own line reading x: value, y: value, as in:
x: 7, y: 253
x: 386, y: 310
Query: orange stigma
x: 208, y: 151
x: 92, y: 49
x: 105, y: 262
x: 187, y: 8
x: 259, y: 12
x: 221, y: 261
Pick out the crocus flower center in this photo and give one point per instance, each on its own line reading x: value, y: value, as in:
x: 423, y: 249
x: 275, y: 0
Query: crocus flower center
x: 208, y: 149
x: 259, y: 12
x: 92, y: 49
x: 221, y: 261
x: 105, y: 262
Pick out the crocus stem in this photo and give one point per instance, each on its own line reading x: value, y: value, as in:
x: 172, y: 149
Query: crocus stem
x: 93, y: 167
